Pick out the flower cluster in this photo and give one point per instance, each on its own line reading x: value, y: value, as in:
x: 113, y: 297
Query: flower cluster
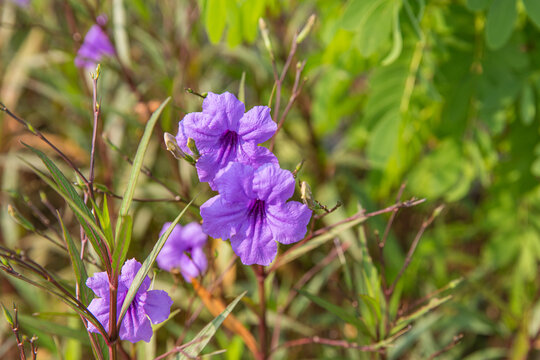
x: 183, y: 250
x: 95, y: 46
x: 251, y: 209
x: 148, y: 305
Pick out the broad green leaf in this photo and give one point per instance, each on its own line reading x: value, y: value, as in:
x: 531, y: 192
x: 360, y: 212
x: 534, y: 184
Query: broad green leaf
x: 533, y: 10
x: 477, y: 5
x: 527, y: 105
x: 338, y: 311
x: 501, y: 18
x: 205, y: 335
x: 397, y: 40
x: 147, y: 264
x: 137, y: 164
x: 215, y: 18
x: 76, y: 263
x: 376, y: 27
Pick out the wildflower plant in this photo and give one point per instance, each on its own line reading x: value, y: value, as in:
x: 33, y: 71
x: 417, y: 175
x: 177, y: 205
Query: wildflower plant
x: 248, y: 196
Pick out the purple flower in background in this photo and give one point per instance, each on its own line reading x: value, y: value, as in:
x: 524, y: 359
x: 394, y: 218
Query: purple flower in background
x: 20, y: 3
x: 153, y: 304
x: 95, y: 46
x: 252, y: 211
x: 223, y: 133
x: 184, y: 240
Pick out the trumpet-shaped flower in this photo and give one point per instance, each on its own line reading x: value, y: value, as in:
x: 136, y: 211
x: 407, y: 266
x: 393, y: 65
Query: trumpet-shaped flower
x: 95, y: 46
x: 252, y: 211
x: 223, y: 133
x: 148, y: 305
x: 183, y: 250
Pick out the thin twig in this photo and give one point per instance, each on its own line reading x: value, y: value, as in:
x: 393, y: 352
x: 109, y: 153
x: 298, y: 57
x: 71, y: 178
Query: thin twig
x: 410, y: 253
x: 261, y: 277
x: 329, y: 342
x: 40, y: 135
x: 456, y: 340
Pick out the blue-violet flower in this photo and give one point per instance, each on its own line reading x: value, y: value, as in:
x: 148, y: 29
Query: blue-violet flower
x: 252, y: 211
x: 223, y: 133
x: 153, y: 304
x: 95, y: 46
x: 183, y: 250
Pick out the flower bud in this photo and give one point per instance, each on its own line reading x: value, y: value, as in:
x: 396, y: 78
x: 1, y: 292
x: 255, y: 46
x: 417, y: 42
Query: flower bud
x: 266, y: 37
x: 19, y: 219
x: 307, y: 196
x: 307, y: 28
x: 191, y: 146
x: 172, y: 146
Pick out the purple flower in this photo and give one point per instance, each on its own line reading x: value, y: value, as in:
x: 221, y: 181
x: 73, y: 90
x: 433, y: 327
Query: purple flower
x: 188, y: 239
x: 224, y: 134
x: 96, y: 44
x: 153, y: 304
x: 252, y: 211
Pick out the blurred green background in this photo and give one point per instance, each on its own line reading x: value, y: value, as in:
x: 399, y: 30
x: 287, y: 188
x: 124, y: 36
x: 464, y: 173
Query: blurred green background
x: 441, y: 95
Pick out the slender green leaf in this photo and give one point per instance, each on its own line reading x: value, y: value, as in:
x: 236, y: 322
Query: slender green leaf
x: 148, y: 262
x: 406, y: 320
x: 122, y: 243
x: 137, y: 164
x: 87, y: 222
x: 203, y: 337
x: 527, y: 105
x: 52, y: 328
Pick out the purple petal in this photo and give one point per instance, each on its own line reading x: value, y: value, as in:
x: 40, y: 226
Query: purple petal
x: 234, y: 183
x: 100, y: 309
x: 255, y: 156
x: 193, y: 235
x: 99, y: 283
x: 256, y: 246
x: 129, y: 270
x: 273, y: 184
x: 222, y: 219
x: 135, y: 325
x: 204, y: 129
x: 288, y: 221
x: 169, y: 257
x: 257, y: 125
x: 211, y: 163
x: 96, y: 44
x: 157, y: 305
x: 225, y: 107
x: 194, y: 266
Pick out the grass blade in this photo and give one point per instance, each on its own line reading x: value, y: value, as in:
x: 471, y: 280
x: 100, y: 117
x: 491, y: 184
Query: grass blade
x: 203, y: 337
x: 147, y: 264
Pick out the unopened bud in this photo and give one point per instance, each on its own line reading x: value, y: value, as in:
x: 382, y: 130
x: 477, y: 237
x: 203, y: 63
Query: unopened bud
x: 306, y: 195
x: 438, y: 211
x: 98, y: 72
x: 8, y: 316
x: 172, y: 146
x: 306, y: 30
x: 191, y: 146
x: 266, y: 37
x: 19, y: 219
x: 298, y: 168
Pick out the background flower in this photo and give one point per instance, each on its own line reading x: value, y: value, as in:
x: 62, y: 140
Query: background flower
x: 223, y: 133
x: 252, y: 211
x: 183, y: 250
x: 95, y: 46
x: 153, y: 304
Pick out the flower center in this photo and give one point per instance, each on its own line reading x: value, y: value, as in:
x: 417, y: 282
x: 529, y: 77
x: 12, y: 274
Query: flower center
x: 257, y: 210
x: 228, y: 143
